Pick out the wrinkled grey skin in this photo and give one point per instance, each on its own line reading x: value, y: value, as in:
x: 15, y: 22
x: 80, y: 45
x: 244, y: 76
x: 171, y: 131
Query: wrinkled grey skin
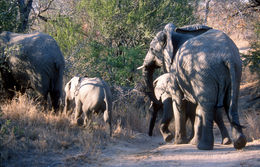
x: 32, y: 61
x: 207, y: 67
x: 90, y: 95
x: 163, y: 90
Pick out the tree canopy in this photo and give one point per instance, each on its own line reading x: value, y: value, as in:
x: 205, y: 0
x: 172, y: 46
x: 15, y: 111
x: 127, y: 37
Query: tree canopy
x: 109, y: 39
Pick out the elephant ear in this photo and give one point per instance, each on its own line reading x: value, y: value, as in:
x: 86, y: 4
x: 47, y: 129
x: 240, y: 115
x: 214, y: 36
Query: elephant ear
x: 158, y: 91
x: 168, y: 50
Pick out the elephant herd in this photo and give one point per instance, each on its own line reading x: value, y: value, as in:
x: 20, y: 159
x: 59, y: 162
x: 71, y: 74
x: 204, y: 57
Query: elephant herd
x: 202, y: 72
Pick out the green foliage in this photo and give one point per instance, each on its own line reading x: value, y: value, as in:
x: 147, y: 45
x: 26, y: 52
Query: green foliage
x: 131, y: 23
x: 126, y: 29
x: 68, y: 34
x: 109, y: 39
x: 8, y: 15
x: 253, y: 58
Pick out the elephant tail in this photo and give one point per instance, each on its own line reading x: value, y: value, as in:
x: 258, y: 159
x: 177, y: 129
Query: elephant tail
x: 235, y: 77
x: 108, y: 110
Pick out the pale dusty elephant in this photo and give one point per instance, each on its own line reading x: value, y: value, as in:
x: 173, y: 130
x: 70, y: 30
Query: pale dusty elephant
x: 207, y: 66
x: 32, y: 61
x: 163, y: 90
x: 90, y: 95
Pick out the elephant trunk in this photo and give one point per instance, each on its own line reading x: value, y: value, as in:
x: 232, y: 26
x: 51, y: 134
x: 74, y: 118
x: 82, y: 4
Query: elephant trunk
x: 148, y: 78
x: 154, y: 111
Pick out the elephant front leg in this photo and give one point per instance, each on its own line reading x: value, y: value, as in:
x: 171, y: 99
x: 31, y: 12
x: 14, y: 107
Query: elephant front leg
x: 206, y: 141
x: 167, y: 117
x: 180, y: 122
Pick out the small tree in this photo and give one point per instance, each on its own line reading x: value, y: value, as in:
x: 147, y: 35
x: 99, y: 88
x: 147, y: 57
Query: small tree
x: 253, y: 58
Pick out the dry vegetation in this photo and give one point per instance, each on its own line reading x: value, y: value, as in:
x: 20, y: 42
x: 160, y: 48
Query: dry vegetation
x: 249, y: 103
x: 25, y: 129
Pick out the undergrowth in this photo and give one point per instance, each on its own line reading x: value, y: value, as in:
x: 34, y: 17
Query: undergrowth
x: 23, y: 128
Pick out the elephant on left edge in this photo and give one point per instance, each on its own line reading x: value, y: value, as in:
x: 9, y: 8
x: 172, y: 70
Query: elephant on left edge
x: 32, y: 61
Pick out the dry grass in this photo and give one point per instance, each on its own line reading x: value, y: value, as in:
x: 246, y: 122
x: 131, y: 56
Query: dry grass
x: 130, y: 113
x: 23, y: 128
x: 253, y: 125
x: 249, y: 103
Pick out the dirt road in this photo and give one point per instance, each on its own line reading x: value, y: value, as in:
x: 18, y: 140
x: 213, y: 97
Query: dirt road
x: 147, y: 151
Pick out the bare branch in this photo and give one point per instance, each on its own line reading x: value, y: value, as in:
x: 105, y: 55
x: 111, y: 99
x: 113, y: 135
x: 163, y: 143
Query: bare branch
x: 47, y: 7
x: 39, y: 15
x: 206, y: 11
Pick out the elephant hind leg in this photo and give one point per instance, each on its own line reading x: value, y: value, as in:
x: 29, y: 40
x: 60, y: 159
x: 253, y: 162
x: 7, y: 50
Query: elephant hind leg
x: 206, y: 141
x: 167, y: 117
x: 239, y: 139
x: 180, y: 122
x: 55, y: 97
x: 220, y: 123
x: 78, y: 113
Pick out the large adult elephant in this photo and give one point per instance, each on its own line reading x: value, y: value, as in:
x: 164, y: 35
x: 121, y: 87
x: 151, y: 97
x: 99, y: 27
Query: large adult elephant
x: 90, y: 95
x: 32, y: 61
x: 163, y: 91
x: 207, y: 66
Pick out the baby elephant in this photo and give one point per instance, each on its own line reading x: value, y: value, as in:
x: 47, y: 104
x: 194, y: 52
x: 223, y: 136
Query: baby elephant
x: 162, y: 90
x: 90, y: 95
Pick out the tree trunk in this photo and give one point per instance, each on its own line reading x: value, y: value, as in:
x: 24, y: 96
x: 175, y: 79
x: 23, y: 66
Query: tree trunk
x: 206, y: 11
x: 24, y: 9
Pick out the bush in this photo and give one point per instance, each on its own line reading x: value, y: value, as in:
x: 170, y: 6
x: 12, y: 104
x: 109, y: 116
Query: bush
x: 109, y: 39
x: 8, y: 15
x: 253, y: 58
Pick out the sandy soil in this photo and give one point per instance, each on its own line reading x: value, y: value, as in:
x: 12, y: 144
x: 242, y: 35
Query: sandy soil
x: 152, y: 151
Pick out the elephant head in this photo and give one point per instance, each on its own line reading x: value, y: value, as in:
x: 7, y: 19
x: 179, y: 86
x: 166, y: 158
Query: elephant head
x: 163, y: 49
x: 160, y: 54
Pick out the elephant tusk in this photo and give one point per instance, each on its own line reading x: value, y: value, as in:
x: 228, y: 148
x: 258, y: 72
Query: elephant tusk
x: 139, y: 68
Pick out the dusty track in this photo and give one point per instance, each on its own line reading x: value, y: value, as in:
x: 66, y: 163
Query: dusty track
x: 151, y: 151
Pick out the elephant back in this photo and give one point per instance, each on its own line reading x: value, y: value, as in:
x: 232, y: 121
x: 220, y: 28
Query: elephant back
x: 161, y: 85
x: 34, y: 60
x: 195, y: 29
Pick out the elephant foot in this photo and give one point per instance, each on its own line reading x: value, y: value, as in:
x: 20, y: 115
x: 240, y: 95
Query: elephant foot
x: 80, y: 121
x: 206, y: 143
x: 240, y: 142
x: 205, y: 146
x: 167, y: 137
x: 226, y: 141
x: 180, y: 141
x: 194, y: 141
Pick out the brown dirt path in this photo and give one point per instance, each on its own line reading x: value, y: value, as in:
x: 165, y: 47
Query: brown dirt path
x: 147, y: 151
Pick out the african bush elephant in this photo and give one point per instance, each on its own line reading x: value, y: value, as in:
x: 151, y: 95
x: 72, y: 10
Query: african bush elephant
x: 90, y: 95
x: 163, y: 91
x: 207, y: 66
x: 32, y: 61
